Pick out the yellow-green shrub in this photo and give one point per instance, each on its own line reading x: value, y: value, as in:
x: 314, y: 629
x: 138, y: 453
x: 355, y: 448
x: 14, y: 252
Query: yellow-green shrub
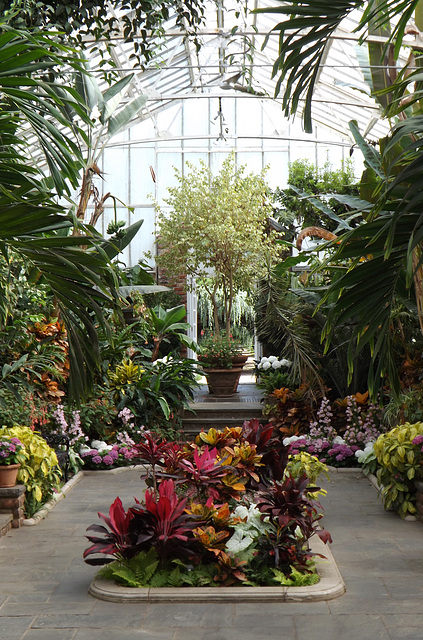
x: 304, y: 463
x: 400, y: 464
x: 40, y: 473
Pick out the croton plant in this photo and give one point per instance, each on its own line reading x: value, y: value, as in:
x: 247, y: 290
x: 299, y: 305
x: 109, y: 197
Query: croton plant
x: 230, y: 508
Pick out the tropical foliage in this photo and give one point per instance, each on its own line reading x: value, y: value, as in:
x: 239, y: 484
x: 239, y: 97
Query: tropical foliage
x: 381, y: 259
x: 140, y: 22
x: 35, y: 229
x: 196, y: 525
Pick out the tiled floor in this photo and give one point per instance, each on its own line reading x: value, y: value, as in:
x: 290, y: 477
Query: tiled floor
x: 43, y: 593
x: 44, y: 586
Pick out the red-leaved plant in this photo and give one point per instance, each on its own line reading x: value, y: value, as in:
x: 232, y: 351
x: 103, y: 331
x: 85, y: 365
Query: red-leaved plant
x: 162, y: 523
x: 290, y: 511
x: 117, y: 541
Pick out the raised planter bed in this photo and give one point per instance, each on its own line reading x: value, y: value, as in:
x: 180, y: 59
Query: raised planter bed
x: 331, y: 586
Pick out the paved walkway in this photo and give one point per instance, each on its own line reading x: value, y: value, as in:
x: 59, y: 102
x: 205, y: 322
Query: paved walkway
x: 43, y: 590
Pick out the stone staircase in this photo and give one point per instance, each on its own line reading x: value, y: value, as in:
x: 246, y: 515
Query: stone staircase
x: 205, y: 415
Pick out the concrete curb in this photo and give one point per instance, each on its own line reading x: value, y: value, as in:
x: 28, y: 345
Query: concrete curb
x: 331, y: 586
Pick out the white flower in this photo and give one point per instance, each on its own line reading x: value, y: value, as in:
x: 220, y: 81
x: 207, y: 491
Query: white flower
x: 338, y: 440
x: 285, y: 363
x: 287, y: 441
x: 83, y: 448
x: 272, y: 359
x: 276, y: 364
x: 266, y: 365
x: 100, y: 445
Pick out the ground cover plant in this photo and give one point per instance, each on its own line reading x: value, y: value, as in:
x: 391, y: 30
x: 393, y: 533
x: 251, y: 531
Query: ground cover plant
x: 229, y: 508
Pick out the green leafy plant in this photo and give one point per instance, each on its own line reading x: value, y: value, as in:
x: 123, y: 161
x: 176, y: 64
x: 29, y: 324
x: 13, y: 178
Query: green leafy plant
x: 218, y: 351
x: 400, y: 461
x: 296, y: 578
x: 305, y: 464
x: 154, y: 391
x: 39, y: 472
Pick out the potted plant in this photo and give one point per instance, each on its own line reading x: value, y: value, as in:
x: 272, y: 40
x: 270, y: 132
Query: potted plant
x: 222, y: 360
x: 215, y: 231
x: 12, y: 454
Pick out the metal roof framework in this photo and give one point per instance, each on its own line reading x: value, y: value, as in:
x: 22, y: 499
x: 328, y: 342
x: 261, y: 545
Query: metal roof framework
x: 232, y: 51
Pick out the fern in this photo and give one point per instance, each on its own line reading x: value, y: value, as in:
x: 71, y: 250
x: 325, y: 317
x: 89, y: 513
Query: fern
x: 296, y: 578
x: 137, y: 572
x: 144, y: 565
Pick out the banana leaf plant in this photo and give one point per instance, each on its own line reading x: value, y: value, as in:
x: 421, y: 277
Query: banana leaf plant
x: 167, y: 323
x: 109, y: 113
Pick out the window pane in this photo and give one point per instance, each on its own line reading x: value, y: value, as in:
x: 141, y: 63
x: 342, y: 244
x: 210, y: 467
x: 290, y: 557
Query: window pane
x: 115, y: 172
x: 142, y: 184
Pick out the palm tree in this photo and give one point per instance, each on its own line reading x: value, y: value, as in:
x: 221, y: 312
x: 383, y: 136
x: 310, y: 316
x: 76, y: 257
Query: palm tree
x: 382, y: 258
x: 32, y: 224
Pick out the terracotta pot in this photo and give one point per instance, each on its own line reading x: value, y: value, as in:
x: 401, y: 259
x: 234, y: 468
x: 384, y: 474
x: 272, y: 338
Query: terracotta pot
x: 240, y: 360
x: 223, y: 382
x: 8, y: 475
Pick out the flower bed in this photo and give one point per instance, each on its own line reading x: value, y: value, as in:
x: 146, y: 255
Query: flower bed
x: 230, y: 509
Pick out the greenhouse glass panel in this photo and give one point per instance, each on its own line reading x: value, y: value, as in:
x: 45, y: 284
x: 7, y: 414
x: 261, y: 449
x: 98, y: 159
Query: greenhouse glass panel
x: 253, y: 161
x: 169, y: 125
x: 165, y: 175
x: 277, y: 173
x: 195, y: 122
x: 144, y: 240
x: 115, y: 172
x: 194, y: 158
x: 141, y: 181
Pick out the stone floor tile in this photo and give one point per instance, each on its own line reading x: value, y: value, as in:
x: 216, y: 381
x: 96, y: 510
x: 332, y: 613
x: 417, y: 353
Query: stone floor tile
x: 405, y: 633
x: 28, y: 597
x: 13, y: 628
x: 93, y: 621
x: 126, y: 634
x: 50, y: 634
x: 255, y: 632
x: 190, y: 615
x: 47, y: 608
x: 370, y: 606
x: 345, y: 627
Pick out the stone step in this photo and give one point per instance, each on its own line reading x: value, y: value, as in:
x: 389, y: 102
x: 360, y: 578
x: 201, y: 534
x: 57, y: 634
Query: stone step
x: 5, y: 523
x: 207, y: 415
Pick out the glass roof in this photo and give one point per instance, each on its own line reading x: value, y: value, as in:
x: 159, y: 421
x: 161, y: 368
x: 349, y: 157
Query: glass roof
x: 231, y: 56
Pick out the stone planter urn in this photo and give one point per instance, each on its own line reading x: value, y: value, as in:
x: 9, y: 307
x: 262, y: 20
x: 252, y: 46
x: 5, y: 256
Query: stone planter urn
x: 223, y: 383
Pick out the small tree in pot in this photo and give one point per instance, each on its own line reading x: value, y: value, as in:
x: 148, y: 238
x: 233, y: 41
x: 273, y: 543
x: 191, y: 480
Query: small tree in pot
x: 216, y: 231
